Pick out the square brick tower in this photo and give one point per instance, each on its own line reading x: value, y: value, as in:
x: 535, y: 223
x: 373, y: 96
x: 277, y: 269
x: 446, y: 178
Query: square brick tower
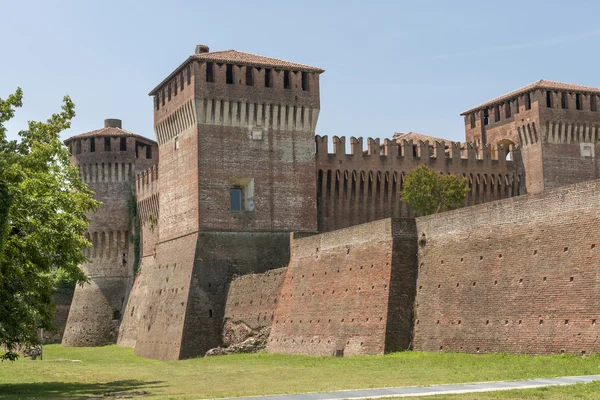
x: 555, y: 124
x: 236, y: 175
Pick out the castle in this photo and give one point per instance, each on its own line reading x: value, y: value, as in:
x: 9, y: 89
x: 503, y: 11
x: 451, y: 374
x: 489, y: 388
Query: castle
x: 239, y: 216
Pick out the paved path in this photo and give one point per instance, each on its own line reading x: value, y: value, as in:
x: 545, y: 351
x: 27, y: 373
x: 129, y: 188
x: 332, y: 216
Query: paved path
x: 413, y: 391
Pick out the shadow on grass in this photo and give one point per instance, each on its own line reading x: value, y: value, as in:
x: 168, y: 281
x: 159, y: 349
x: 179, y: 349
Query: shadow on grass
x: 76, y: 390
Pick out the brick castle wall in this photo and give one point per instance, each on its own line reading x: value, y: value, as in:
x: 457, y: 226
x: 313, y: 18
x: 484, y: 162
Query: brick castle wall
x: 366, y: 185
x: 336, y: 293
x: 252, y: 298
x: 519, y: 275
x: 109, y: 170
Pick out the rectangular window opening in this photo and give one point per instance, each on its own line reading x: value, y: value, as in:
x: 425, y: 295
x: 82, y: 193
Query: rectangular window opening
x: 106, y: 144
x: 148, y: 152
x: 497, y: 113
x: 517, y: 105
x: 78, y: 147
x: 563, y: 101
x: 123, y: 144
x: 472, y: 120
x: 235, y: 199
x: 209, y: 72
x: 286, y: 80
x: 175, y: 85
x: 268, y: 79
x: 507, y: 110
x: 169, y: 92
x: 528, y: 101
x: 486, y: 117
x: 157, y: 101
x: 229, y: 74
x: 577, y: 101
x: 304, y: 80
x: 189, y: 75
x: 548, y: 99
x: 249, y: 77
x: 92, y: 145
x: 593, y: 102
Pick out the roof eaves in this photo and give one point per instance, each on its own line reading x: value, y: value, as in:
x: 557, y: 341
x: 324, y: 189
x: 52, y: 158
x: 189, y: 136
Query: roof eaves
x: 171, y: 75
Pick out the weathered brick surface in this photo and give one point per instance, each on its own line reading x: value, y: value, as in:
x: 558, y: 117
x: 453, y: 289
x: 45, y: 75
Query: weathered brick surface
x: 97, y: 306
x: 366, y: 186
x: 251, y: 298
x: 336, y: 292
x: 518, y: 275
x: 63, y: 304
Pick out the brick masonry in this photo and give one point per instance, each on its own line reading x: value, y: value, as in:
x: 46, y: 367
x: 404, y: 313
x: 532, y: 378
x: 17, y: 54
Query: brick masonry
x: 224, y: 124
x: 518, y: 275
x: 336, y: 294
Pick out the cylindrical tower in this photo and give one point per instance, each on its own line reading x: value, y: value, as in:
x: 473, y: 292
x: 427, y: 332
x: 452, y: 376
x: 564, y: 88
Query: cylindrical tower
x: 109, y: 159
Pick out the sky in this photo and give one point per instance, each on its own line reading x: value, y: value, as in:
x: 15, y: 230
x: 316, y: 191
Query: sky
x: 390, y: 66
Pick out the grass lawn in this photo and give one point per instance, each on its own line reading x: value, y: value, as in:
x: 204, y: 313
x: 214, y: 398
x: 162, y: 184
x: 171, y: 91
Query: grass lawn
x: 115, y: 369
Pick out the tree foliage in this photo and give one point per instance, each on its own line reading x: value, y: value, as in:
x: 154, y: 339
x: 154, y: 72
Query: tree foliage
x: 43, y: 214
x: 428, y: 192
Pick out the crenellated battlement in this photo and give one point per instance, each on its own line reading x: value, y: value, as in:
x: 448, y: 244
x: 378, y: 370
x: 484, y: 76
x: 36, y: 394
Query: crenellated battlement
x: 147, y: 189
x: 366, y: 184
x: 409, y: 150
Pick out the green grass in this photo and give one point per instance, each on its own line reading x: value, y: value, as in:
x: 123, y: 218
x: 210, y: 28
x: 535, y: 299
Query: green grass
x: 115, y: 369
x: 590, y: 391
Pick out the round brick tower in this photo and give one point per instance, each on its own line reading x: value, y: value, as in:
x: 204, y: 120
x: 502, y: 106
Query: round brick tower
x: 109, y: 158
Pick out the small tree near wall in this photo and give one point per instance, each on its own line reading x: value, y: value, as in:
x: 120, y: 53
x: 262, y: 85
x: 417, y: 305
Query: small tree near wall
x: 428, y: 192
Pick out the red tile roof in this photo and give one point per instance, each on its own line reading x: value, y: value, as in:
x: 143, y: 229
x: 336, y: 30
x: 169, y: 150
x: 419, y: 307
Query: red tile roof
x: 109, y: 131
x: 241, y: 58
x: 414, y: 136
x: 541, y: 84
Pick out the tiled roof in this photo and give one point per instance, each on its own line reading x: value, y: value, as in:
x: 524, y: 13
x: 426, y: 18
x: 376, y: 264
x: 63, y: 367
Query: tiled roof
x: 110, y: 131
x: 414, y: 136
x: 241, y: 58
x: 541, y: 84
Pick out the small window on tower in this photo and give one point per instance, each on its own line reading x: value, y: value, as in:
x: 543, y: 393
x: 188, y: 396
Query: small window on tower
x: 527, y: 101
x: 169, y: 92
x: 249, y: 77
x: 286, y: 80
x: 78, y: 147
x: 563, y: 101
x: 157, y: 101
x: 106, y: 144
x: 268, y: 81
x: 209, y: 72
x: 516, y: 105
x: 92, y: 145
x: 577, y: 101
x: 235, y: 199
x: 229, y: 74
x: 507, y: 110
x: 486, y: 117
x: 548, y: 99
x: 593, y: 102
x: 123, y: 144
x: 496, y: 113
x: 148, y: 152
x: 472, y: 120
x: 305, y: 81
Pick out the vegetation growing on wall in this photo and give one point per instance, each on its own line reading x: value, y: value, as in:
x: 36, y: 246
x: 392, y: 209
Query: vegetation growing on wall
x: 134, y: 236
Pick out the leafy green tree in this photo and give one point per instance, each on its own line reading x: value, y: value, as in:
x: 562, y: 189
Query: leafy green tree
x: 428, y: 192
x: 43, y: 214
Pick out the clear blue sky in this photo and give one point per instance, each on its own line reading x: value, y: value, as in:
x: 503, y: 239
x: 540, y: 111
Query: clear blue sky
x: 391, y: 66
